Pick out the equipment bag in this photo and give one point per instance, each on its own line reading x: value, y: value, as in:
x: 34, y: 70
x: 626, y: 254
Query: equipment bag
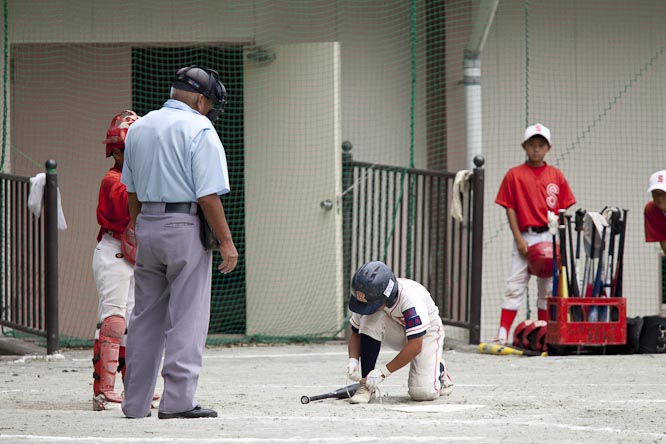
x: 653, y: 335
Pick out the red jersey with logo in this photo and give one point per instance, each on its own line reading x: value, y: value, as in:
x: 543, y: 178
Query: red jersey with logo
x: 532, y: 192
x: 112, y: 210
x: 655, y: 223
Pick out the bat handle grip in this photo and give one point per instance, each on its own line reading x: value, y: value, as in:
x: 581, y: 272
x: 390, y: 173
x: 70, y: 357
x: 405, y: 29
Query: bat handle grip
x: 305, y: 399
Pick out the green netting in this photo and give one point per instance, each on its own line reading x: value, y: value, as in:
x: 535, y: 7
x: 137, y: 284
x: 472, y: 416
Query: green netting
x: 305, y: 75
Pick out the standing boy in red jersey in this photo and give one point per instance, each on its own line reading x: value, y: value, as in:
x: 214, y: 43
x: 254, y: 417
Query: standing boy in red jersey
x: 528, y: 192
x: 655, y: 210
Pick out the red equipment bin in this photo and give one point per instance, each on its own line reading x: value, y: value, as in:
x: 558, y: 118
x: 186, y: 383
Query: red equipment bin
x: 563, y: 330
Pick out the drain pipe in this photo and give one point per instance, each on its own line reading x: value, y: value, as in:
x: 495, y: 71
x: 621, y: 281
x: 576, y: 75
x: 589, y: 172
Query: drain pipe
x: 472, y: 78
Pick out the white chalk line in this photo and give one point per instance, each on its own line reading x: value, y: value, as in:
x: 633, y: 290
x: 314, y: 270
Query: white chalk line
x: 258, y: 356
x: 434, y: 408
x: 497, y: 424
x: 633, y: 401
x: 337, y: 439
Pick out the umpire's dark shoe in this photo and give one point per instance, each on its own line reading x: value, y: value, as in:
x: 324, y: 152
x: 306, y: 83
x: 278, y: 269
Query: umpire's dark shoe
x: 196, y: 412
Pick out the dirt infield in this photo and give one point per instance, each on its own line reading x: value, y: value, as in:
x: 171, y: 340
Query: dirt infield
x: 257, y: 391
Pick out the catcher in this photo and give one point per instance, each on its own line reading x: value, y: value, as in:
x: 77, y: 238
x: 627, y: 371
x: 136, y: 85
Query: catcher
x: 400, y: 313
x: 113, y: 269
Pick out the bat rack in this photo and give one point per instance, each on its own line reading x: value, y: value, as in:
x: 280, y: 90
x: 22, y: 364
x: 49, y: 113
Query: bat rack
x: 569, y: 322
x: 583, y: 314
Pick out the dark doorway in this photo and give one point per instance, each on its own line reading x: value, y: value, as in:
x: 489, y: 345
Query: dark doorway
x: 152, y: 72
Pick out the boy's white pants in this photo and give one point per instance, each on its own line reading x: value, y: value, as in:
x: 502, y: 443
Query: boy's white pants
x: 519, y: 277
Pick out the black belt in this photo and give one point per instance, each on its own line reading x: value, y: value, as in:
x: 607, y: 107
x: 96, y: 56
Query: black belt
x: 538, y: 229
x: 177, y: 207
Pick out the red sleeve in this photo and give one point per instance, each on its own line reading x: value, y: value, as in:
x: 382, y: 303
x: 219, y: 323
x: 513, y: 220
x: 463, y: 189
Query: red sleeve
x: 112, y: 209
x: 506, y: 193
x: 655, y: 223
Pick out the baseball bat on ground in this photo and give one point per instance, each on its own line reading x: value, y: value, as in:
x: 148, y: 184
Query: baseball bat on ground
x: 489, y: 348
x: 341, y: 393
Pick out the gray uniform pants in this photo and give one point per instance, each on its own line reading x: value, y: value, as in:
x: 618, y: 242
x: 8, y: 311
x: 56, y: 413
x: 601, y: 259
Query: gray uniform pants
x: 171, y: 312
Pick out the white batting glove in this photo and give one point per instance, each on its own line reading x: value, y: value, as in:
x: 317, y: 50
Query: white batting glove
x: 354, y: 370
x: 376, y: 376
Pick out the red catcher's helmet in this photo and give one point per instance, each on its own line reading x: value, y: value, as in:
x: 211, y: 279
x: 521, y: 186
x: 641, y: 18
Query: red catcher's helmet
x: 540, y: 259
x: 531, y: 335
x: 115, y: 135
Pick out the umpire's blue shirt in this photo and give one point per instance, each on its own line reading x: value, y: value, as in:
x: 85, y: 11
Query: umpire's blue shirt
x: 173, y: 154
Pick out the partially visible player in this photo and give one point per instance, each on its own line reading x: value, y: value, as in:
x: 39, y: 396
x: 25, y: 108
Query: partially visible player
x: 113, y: 270
x: 655, y: 211
x: 400, y: 313
x: 528, y: 192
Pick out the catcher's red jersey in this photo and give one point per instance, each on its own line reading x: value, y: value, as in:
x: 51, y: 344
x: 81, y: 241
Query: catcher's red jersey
x: 655, y: 223
x: 532, y: 192
x: 112, y: 209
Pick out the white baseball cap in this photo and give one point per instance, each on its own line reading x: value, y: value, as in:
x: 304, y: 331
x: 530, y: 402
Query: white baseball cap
x: 537, y: 130
x: 657, y: 181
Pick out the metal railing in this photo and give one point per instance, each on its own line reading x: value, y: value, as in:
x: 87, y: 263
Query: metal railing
x: 29, y: 279
x: 401, y: 216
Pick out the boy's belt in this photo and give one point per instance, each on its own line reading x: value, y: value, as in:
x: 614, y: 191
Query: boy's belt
x: 542, y: 229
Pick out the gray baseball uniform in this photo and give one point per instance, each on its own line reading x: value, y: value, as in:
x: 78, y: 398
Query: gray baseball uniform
x: 173, y: 156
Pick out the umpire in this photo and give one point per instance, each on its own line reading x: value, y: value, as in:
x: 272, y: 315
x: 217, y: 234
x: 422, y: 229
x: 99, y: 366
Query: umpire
x: 175, y: 163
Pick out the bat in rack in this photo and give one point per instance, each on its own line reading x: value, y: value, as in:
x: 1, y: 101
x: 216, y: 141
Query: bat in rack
x: 489, y: 348
x: 341, y: 393
x: 576, y: 310
x: 573, y: 279
x: 616, y: 289
x: 563, y: 285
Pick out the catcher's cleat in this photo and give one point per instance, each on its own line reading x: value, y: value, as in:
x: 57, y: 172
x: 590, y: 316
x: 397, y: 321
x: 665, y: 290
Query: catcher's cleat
x: 363, y: 394
x: 102, y: 402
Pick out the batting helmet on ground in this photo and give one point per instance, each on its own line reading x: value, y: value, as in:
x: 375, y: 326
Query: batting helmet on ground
x: 531, y: 335
x: 115, y: 135
x: 373, y: 285
x: 540, y: 259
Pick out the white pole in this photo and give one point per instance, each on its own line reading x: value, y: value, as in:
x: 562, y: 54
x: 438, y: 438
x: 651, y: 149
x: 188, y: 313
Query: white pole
x: 472, y: 78
x: 473, y: 117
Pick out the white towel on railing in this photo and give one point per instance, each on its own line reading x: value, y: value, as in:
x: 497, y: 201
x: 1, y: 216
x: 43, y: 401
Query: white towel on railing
x: 460, y: 185
x: 35, y: 199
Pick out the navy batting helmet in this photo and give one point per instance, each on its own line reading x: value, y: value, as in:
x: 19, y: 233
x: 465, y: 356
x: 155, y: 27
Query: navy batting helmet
x: 203, y: 81
x: 373, y: 285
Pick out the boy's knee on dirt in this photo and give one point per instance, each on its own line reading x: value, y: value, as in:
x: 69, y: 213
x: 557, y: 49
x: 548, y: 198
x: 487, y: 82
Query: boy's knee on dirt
x: 423, y: 393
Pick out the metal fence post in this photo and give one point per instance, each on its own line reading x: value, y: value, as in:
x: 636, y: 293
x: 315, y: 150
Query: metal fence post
x: 476, y: 273
x: 347, y: 207
x: 51, y: 256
